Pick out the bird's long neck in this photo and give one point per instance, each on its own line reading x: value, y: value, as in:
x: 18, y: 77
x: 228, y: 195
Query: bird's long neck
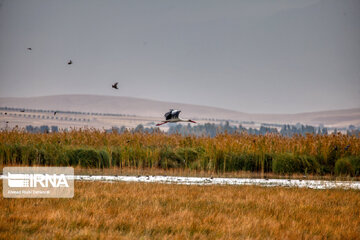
x: 186, y: 120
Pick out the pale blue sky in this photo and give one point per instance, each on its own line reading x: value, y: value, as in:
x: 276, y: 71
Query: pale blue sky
x: 262, y: 56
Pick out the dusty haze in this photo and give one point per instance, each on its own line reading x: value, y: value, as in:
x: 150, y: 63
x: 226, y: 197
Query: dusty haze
x: 262, y: 56
x: 148, y: 110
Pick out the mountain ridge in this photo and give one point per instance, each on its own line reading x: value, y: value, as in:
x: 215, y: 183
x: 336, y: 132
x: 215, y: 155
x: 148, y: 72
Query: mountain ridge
x: 155, y: 108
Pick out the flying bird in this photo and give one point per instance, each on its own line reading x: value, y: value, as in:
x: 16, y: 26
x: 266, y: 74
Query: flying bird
x: 173, y: 116
x: 115, y: 85
x: 70, y: 62
x: 29, y: 48
x: 55, y: 113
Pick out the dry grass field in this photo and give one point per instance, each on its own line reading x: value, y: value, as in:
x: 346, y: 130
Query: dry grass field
x: 160, y: 211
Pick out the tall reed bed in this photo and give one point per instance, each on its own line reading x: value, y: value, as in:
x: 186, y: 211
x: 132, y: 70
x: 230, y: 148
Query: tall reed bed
x: 318, y: 154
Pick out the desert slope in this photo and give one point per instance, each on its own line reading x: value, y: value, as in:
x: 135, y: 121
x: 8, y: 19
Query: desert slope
x: 152, y: 108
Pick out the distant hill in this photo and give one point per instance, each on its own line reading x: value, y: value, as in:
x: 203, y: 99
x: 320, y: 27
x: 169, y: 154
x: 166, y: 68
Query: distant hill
x: 151, y: 108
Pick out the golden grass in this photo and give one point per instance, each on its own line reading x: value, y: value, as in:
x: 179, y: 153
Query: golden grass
x: 160, y: 211
x: 311, y: 154
x: 270, y: 143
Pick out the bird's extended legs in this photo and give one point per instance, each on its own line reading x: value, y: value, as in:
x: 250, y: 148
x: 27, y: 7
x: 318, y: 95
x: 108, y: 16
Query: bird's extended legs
x: 161, y: 123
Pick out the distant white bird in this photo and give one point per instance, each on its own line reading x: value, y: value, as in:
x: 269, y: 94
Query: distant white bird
x: 173, y: 116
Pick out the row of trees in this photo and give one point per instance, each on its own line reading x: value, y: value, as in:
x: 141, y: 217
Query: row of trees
x: 49, y: 117
x: 41, y: 129
x: 211, y: 130
x: 64, y: 112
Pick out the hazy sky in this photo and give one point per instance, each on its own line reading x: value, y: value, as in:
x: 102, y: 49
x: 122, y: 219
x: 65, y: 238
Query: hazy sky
x: 281, y: 56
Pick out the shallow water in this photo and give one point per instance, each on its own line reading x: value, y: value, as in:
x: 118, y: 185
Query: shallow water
x: 314, y: 184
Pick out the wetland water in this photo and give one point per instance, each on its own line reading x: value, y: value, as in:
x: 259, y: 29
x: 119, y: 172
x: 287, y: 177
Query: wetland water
x: 314, y: 184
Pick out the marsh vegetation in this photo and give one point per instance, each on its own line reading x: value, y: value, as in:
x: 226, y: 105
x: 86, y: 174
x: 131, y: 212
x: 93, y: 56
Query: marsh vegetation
x: 335, y: 154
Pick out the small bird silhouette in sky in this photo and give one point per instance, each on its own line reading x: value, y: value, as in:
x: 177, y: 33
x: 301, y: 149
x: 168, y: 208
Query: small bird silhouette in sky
x: 115, y: 85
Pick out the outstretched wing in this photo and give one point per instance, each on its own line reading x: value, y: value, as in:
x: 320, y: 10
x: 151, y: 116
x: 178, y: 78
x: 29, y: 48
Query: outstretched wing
x: 171, y: 114
x: 115, y: 85
x: 168, y: 114
x: 175, y: 113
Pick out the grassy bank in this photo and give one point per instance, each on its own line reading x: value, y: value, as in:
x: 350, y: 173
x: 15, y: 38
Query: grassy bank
x: 314, y: 154
x: 158, y: 211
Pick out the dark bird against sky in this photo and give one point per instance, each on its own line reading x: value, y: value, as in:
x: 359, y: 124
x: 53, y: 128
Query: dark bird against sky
x: 115, y: 85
